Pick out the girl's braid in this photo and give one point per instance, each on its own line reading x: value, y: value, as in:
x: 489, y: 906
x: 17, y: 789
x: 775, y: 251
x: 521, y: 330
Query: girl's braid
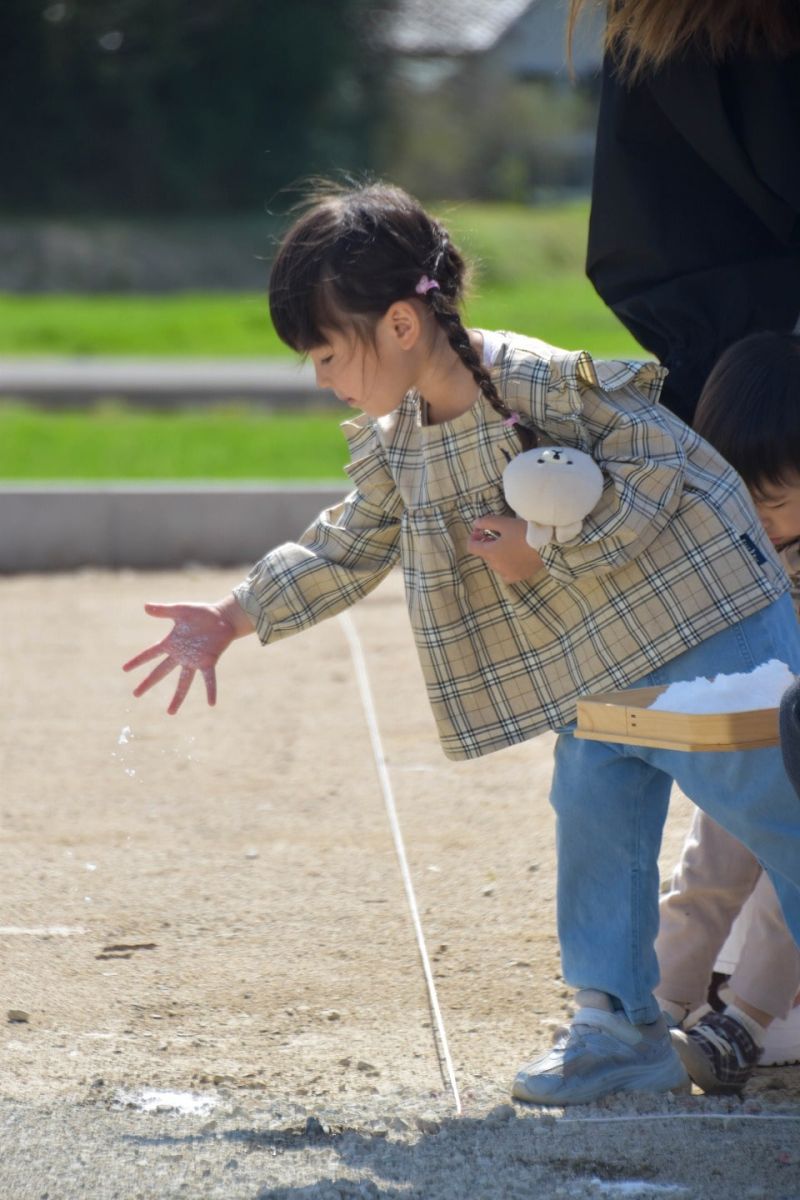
x: 448, y: 318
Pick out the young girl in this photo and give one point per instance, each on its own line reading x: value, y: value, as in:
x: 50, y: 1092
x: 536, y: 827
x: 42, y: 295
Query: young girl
x: 670, y: 577
x: 749, y: 410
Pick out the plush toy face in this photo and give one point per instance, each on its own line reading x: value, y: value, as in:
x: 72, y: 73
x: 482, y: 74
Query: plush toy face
x: 553, y: 486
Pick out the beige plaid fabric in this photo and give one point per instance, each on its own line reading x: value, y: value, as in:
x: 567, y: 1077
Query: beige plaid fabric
x: 672, y: 553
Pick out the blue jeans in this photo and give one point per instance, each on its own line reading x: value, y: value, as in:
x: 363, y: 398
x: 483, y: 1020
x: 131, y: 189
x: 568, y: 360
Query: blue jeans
x: 611, y: 803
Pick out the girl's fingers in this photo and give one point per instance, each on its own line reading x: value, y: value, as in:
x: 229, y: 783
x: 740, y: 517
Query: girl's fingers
x: 164, y: 668
x: 162, y: 610
x: 184, y: 683
x: 145, y: 656
x: 210, y: 676
x: 484, y: 535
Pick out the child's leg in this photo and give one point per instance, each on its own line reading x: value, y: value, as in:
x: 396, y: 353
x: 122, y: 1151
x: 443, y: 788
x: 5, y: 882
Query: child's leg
x: 749, y: 794
x: 610, y: 811
x: 715, y: 876
x: 610, y: 808
x: 721, y: 1050
x: 767, y: 976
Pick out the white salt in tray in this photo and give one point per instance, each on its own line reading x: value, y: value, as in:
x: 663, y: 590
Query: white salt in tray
x: 625, y: 716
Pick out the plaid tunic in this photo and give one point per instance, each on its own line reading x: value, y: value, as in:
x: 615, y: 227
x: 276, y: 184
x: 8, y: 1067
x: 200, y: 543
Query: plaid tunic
x: 672, y: 553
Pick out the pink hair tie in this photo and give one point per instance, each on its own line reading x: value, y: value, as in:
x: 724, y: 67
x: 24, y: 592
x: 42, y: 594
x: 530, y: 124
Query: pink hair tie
x: 426, y: 285
x: 511, y: 420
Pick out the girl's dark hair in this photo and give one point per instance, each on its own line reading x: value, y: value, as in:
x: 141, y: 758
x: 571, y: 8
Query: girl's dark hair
x: 642, y: 35
x: 351, y: 255
x: 749, y: 409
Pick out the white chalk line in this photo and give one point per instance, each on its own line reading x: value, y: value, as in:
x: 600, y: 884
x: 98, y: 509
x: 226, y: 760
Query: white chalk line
x: 368, y: 705
x: 41, y: 930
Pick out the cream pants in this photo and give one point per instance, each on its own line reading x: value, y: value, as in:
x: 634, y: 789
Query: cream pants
x: 714, y: 879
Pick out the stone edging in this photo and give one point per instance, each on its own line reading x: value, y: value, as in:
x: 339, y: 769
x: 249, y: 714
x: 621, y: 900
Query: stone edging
x: 55, y: 527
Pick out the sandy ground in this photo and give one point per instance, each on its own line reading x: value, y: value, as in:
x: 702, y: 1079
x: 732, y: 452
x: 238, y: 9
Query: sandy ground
x: 214, y: 908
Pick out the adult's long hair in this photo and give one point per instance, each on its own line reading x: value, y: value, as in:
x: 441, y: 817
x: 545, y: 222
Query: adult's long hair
x: 643, y: 35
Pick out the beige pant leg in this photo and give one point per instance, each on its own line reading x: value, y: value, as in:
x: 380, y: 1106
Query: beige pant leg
x: 712, y: 881
x: 767, y: 974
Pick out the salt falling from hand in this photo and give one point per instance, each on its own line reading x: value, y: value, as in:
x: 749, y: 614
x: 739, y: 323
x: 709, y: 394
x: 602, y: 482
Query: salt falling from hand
x: 125, y: 735
x: 761, y: 688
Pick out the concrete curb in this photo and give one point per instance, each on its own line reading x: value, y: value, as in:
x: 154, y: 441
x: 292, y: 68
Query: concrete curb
x: 161, y: 383
x: 59, y: 527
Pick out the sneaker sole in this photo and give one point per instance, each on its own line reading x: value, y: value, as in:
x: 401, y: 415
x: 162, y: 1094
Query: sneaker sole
x: 699, y: 1068
x: 669, y: 1079
x: 790, y: 1059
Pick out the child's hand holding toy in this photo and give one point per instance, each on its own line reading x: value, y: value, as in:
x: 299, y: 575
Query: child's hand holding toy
x: 552, y: 488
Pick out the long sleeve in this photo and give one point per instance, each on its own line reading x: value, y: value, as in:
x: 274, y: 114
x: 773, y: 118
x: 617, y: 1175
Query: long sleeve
x: 643, y: 463
x: 341, y: 557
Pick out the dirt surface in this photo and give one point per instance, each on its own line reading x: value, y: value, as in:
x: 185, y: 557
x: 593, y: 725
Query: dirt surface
x: 211, y: 905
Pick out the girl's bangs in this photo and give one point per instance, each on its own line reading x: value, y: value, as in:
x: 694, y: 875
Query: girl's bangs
x: 302, y: 315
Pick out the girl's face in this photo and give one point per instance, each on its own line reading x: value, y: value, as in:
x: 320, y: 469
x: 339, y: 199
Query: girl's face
x: 370, y: 376
x: 778, y: 507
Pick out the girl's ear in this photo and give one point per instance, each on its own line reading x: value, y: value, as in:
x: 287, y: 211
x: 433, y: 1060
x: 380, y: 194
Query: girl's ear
x: 403, y: 324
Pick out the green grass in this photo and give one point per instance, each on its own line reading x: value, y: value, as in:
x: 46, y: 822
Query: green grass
x: 529, y: 278
x: 118, y: 443
x: 560, y: 309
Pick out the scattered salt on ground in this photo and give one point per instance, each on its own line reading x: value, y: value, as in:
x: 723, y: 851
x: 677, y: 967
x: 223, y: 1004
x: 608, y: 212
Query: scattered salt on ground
x: 761, y: 688
x: 633, y: 1187
x: 150, y: 1100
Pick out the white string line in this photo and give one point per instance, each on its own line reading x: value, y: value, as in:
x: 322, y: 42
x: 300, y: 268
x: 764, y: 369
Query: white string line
x: 688, y: 1116
x: 359, y: 665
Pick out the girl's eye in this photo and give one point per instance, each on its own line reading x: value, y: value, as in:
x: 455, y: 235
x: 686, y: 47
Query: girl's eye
x: 323, y: 362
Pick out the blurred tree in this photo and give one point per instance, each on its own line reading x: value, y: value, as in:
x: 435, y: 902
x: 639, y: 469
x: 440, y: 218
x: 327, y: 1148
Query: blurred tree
x: 526, y: 141
x: 143, y: 106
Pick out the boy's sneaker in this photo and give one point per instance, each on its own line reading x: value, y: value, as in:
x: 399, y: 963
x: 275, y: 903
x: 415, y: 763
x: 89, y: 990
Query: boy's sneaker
x: 718, y: 1052
x: 782, y: 1042
x: 599, y: 1053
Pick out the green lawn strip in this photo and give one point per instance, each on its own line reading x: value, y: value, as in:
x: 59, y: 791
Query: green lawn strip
x: 177, y: 325
x: 529, y: 277
x: 108, y: 443
x: 563, y: 310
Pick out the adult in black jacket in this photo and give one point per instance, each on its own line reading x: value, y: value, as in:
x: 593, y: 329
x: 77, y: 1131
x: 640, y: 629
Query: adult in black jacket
x: 694, y: 236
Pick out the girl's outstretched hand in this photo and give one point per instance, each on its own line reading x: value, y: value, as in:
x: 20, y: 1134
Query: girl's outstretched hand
x: 500, y: 542
x: 197, y: 639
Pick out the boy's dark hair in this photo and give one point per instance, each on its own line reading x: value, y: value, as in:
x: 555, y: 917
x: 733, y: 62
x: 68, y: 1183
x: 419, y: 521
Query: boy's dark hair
x: 749, y: 409
x: 352, y: 254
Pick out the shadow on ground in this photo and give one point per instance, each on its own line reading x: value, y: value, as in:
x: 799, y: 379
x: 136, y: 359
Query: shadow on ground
x: 513, y: 1155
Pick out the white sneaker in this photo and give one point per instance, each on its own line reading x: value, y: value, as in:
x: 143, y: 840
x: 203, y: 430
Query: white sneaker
x: 601, y: 1053
x: 782, y: 1042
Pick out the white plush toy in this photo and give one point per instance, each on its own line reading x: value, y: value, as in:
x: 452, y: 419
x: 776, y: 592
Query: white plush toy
x: 552, y: 488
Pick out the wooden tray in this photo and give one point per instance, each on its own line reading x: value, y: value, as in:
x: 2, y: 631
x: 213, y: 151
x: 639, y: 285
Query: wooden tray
x: 625, y: 717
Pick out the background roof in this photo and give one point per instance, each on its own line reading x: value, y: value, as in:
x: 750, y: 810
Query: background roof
x: 452, y: 26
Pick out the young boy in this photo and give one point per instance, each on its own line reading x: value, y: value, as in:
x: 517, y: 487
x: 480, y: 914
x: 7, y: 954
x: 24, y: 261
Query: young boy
x: 750, y: 412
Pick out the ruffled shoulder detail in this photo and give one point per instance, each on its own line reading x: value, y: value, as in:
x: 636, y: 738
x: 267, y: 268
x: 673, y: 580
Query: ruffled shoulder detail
x: 368, y: 468
x: 544, y: 383
x: 613, y: 374
x: 359, y: 434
